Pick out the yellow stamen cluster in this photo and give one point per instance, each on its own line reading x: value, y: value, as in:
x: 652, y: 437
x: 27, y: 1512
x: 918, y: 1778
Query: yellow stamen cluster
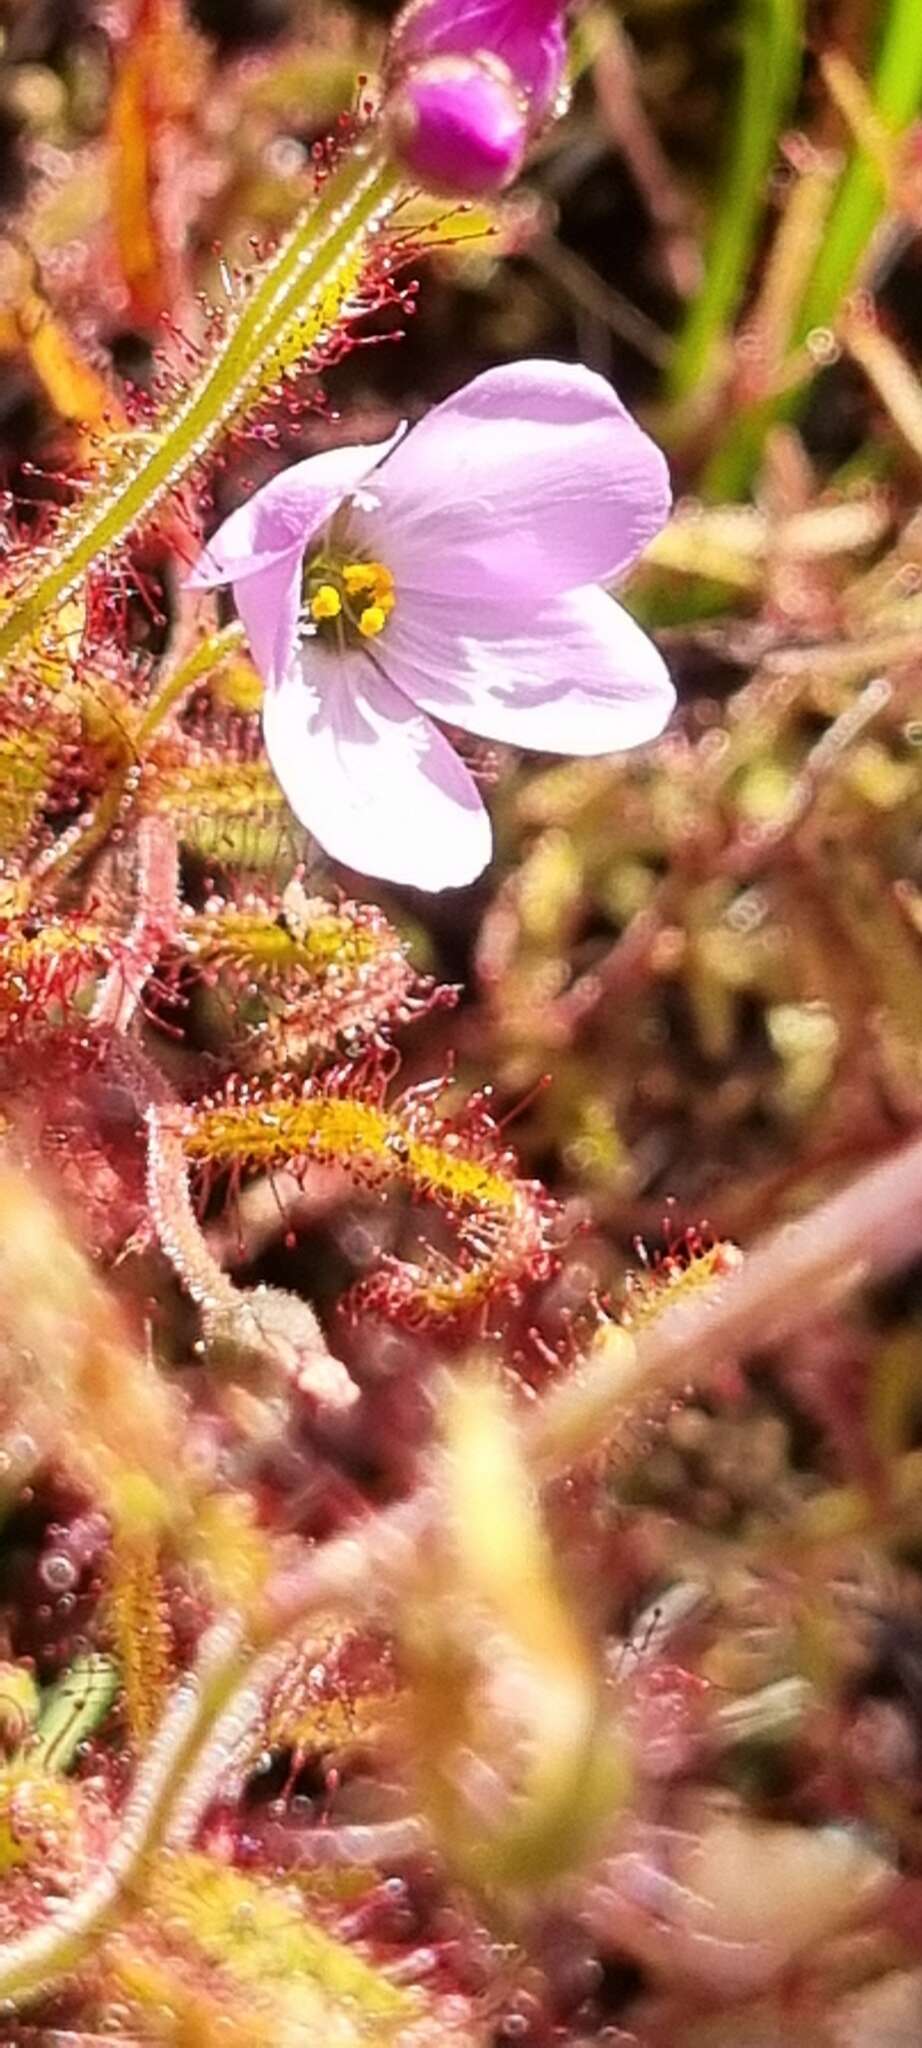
x: 372, y: 581
x: 363, y: 591
x: 326, y: 602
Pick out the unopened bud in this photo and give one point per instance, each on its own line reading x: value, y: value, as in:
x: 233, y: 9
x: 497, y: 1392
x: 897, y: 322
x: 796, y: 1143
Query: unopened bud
x: 527, y: 36
x: 458, y: 125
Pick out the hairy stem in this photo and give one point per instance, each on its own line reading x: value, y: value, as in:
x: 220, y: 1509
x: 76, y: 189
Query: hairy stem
x: 155, y: 922
x: 198, y: 663
x: 313, y: 270
x: 864, y: 1232
x: 278, y: 1327
x: 75, y: 846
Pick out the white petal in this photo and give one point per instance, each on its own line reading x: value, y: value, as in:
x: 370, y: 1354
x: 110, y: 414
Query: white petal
x: 577, y: 677
x: 368, y: 774
x: 534, y: 478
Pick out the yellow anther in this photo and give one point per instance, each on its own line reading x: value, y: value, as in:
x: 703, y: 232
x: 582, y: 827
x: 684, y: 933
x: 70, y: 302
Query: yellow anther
x: 358, y: 576
x: 326, y: 602
x: 361, y: 594
x: 373, y: 576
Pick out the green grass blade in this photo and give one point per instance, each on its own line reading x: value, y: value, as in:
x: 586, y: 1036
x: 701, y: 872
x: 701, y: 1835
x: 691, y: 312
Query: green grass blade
x: 772, y: 39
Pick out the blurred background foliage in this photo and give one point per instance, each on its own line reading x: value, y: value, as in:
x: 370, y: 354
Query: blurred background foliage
x: 692, y: 975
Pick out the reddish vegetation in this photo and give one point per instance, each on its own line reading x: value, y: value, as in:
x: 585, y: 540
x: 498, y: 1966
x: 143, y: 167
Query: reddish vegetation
x: 445, y: 1595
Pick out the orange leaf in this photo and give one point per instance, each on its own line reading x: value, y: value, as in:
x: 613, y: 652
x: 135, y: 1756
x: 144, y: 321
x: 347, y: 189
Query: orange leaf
x: 156, y: 81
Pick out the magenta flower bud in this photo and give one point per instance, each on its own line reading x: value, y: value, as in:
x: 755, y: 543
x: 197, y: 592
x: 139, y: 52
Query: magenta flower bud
x: 457, y: 125
x: 525, y: 35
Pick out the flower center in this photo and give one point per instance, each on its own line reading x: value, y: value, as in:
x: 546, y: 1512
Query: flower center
x: 346, y: 602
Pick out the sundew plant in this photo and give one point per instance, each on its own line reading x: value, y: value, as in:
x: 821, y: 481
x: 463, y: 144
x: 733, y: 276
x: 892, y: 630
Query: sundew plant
x: 461, y: 1024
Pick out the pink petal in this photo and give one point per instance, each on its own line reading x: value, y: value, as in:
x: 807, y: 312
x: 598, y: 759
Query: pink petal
x: 370, y: 777
x: 269, y: 603
x: 526, y: 35
x: 280, y: 518
x: 577, y: 676
x: 534, y: 478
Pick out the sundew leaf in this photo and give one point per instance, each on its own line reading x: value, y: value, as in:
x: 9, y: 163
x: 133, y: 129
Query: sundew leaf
x: 139, y: 1624
x: 26, y: 766
x: 72, y: 1708
x: 260, y: 1938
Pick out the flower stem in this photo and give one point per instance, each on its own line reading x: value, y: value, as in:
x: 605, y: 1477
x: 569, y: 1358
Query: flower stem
x: 862, y: 1233
x: 308, y: 278
x: 206, y: 655
x: 75, y: 846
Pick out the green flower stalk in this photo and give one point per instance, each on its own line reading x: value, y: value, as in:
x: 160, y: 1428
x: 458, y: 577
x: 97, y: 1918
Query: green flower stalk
x: 302, y: 294
x: 464, y: 133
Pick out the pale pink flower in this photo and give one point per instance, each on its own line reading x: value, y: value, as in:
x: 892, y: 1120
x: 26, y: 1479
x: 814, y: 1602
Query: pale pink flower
x: 451, y: 574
